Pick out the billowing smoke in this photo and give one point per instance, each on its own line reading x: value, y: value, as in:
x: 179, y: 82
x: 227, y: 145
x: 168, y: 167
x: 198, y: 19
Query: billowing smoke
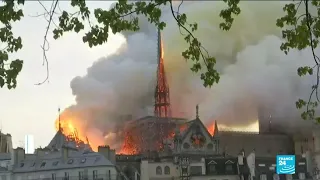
x: 254, y: 73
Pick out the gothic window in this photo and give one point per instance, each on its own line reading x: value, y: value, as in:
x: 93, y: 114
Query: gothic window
x: 210, y: 146
x: 158, y: 170
x: 167, y: 170
x: 186, y: 145
x: 197, y: 139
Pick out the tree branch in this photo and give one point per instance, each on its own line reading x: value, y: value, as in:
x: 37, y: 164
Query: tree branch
x: 187, y: 30
x: 315, y: 57
x: 45, y: 40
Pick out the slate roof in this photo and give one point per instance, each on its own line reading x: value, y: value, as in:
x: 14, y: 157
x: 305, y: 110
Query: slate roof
x: 59, y: 140
x: 233, y: 142
x: 5, y: 156
x: 54, y: 161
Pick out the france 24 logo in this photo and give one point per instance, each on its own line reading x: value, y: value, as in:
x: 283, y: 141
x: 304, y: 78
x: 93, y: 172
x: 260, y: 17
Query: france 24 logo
x: 286, y: 164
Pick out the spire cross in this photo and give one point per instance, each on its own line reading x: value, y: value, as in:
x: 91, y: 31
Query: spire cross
x: 197, y: 111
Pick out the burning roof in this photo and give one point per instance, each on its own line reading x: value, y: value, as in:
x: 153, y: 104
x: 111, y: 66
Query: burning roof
x: 60, y: 140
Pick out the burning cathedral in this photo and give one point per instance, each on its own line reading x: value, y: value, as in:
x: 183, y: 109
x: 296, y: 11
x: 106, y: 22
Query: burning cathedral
x: 165, y: 147
x: 162, y: 147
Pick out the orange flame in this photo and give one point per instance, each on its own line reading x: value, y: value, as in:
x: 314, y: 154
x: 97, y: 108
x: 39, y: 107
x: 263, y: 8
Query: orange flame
x: 128, y: 146
x: 182, y: 128
x: 74, y: 130
x: 210, y: 129
x: 162, y: 50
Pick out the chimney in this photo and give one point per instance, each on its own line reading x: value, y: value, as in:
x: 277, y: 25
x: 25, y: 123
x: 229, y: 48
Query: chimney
x: 10, y: 148
x: 309, y: 162
x: 9, y: 143
x: 19, y: 155
x: 42, y: 151
x: 144, y: 166
x: 108, y: 153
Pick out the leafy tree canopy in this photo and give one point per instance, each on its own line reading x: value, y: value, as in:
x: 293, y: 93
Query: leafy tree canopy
x: 300, y: 31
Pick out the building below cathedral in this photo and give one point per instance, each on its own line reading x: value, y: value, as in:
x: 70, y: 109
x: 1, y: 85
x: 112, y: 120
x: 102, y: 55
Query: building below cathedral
x: 191, y: 153
x: 62, y: 159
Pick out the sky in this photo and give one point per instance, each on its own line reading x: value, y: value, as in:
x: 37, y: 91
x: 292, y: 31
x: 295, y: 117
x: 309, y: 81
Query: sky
x: 245, y: 55
x: 31, y: 109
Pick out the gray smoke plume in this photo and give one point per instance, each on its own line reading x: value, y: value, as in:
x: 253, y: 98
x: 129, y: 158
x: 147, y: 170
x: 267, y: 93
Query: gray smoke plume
x: 254, y: 73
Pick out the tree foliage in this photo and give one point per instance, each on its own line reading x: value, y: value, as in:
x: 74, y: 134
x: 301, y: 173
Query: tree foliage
x: 9, y: 69
x: 299, y: 32
x: 303, y: 31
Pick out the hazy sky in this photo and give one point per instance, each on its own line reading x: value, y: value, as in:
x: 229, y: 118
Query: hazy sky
x: 32, y: 109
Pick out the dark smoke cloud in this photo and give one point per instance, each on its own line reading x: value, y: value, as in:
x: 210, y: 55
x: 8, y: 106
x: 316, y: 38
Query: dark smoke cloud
x: 254, y: 73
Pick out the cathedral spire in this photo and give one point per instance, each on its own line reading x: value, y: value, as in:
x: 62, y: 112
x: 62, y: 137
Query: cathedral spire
x: 162, y: 98
x: 197, y: 111
x: 60, y: 129
x: 216, y: 130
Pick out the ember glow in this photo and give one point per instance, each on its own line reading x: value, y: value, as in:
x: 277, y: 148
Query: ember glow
x: 129, y: 145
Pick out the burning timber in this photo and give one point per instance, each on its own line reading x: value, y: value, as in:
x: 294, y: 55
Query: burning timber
x: 146, y: 134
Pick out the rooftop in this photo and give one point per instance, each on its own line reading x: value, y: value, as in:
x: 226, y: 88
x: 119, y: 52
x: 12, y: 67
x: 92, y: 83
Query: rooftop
x: 55, y: 161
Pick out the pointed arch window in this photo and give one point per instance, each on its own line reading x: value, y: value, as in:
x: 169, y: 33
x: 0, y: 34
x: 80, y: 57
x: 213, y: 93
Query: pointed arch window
x: 158, y: 170
x: 167, y: 170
